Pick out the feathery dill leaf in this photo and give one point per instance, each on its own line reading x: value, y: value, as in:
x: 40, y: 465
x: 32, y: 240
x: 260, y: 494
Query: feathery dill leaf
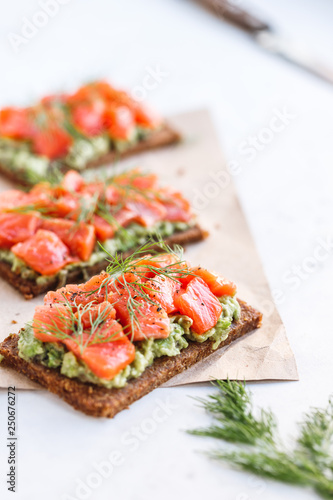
x: 316, y: 436
x: 256, y: 446
x: 119, y: 265
x: 232, y: 407
x: 73, y: 323
x: 137, y: 290
x: 85, y: 210
x: 25, y: 209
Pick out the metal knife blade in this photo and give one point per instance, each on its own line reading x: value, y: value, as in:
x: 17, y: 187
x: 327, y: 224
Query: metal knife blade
x: 262, y: 33
x: 293, y: 54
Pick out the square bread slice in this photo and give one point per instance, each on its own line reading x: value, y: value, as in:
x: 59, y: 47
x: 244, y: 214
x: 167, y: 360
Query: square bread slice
x: 164, y: 136
x: 30, y: 288
x: 101, y: 402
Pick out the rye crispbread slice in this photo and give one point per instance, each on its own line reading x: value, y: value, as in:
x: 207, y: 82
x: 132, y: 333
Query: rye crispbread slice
x: 100, y: 402
x: 165, y: 136
x: 29, y: 288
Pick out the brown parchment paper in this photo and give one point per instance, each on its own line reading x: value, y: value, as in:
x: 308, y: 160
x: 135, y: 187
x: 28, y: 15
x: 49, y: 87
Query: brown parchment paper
x: 197, y: 168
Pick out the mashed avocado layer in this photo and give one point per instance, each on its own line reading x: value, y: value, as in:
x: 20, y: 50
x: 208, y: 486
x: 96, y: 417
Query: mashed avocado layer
x: 54, y: 355
x: 17, y: 157
x: 125, y: 239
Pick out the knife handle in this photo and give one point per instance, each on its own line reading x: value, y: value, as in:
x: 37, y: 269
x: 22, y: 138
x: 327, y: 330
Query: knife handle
x: 234, y: 14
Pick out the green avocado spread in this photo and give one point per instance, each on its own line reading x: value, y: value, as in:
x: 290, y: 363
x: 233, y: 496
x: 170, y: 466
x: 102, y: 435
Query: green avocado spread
x: 125, y: 239
x: 17, y: 157
x: 55, y: 355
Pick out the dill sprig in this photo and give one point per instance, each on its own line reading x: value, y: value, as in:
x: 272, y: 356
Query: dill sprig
x: 85, y: 210
x: 256, y: 444
x: 25, y: 209
x: 232, y: 407
x: 73, y: 322
x: 97, y: 204
x: 128, y: 188
x: 316, y: 436
x: 137, y: 290
x: 118, y: 264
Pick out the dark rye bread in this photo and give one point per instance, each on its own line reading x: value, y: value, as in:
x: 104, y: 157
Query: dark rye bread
x: 101, y: 402
x: 30, y: 288
x: 164, y: 136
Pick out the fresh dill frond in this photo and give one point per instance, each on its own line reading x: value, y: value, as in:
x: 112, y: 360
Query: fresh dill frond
x: 85, y: 210
x: 108, y: 213
x: 267, y: 462
x: 114, y: 280
x: 129, y: 190
x: 54, y: 173
x: 256, y: 446
x: 232, y: 407
x: 73, y: 324
x: 118, y: 264
x: 25, y: 209
x: 316, y: 436
x: 137, y: 290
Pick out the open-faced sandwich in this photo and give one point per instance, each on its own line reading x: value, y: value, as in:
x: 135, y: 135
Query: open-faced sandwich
x: 104, y: 344
x: 96, y: 125
x: 62, y: 233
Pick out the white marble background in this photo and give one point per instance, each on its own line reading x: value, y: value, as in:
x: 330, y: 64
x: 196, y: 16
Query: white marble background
x: 286, y: 193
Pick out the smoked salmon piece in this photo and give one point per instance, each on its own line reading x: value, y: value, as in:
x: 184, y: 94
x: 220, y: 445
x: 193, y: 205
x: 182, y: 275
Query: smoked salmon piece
x: 105, y: 349
x: 147, y: 212
x: 145, y: 265
x: 94, y: 291
x: 44, y: 252
x: 103, y: 229
x: 217, y: 284
x: 104, y: 359
x: 97, y: 315
x: 162, y: 289
x: 52, y: 322
x: 13, y: 198
x: 177, y: 207
x: 79, y: 237
x: 198, y: 303
x: 16, y: 227
x: 72, y: 182
x: 149, y: 320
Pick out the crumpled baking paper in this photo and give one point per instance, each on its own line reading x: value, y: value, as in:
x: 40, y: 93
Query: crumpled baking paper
x: 197, y: 168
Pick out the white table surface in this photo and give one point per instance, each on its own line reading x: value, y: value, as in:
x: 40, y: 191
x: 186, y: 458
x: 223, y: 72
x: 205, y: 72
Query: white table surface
x: 285, y: 190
